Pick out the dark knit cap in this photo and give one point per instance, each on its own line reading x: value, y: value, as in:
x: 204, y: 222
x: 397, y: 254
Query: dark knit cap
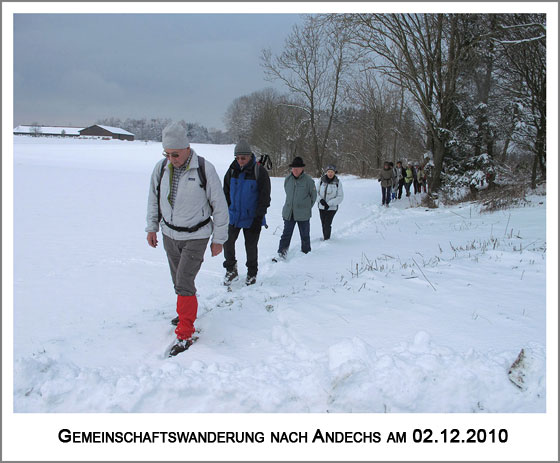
x: 331, y: 167
x: 242, y: 148
x: 297, y: 162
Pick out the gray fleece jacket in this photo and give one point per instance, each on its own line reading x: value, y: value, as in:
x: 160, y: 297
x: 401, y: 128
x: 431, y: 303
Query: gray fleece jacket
x: 192, y: 204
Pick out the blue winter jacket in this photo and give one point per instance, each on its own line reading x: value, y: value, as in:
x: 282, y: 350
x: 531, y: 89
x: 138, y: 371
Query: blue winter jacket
x: 248, y: 197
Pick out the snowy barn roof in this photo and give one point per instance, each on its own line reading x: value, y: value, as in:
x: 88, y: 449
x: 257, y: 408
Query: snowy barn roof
x: 115, y: 129
x: 34, y: 129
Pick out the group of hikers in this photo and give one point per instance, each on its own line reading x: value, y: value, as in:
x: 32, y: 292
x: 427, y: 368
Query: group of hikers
x: 393, y: 179
x: 187, y: 199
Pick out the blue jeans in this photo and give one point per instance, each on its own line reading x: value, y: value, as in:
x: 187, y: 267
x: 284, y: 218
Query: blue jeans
x: 304, y: 228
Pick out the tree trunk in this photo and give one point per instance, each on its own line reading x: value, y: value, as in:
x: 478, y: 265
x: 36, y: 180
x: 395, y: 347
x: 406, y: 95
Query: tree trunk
x: 541, y: 154
x: 398, y: 131
x: 316, y: 153
x: 534, y: 171
x: 439, y: 153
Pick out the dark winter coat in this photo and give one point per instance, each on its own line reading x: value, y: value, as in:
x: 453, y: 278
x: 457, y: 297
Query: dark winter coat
x: 300, y: 197
x: 386, y: 177
x: 247, y: 193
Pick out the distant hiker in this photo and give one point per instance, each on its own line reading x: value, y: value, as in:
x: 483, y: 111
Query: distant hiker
x: 300, y: 198
x: 186, y: 194
x: 386, y: 179
x: 415, y: 176
x: 247, y: 191
x: 401, y: 174
x: 408, y: 178
x: 329, y: 195
x: 395, y: 182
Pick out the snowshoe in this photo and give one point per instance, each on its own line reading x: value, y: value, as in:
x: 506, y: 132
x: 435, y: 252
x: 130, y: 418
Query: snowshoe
x: 231, y: 276
x: 251, y: 280
x: 182, y: 345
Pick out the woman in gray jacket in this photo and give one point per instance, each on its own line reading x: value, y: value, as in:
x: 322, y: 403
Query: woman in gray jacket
x: 329, y: 196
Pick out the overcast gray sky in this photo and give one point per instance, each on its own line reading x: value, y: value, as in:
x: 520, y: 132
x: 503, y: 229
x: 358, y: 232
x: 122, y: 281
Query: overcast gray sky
x: 76, y: 68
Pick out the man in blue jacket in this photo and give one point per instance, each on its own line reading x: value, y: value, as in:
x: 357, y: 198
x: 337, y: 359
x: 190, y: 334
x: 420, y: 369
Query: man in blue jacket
x: 247, y: 190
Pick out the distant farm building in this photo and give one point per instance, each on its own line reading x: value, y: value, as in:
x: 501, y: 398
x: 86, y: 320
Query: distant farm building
x: 42, y: 131
x: 105, y: 131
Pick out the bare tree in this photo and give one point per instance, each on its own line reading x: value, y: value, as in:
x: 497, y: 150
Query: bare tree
x: 312, y: 66
x: 375, y: 101
x: 272, y: 123
x: 238, y: 117
x: 524, y: 45
x: 425, y: 54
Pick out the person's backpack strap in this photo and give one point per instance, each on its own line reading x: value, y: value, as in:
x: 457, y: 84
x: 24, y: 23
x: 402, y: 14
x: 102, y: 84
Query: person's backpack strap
x: 201, y: 174
x: 164, y: 163
x: 257, y: 169
x: 202, y: 171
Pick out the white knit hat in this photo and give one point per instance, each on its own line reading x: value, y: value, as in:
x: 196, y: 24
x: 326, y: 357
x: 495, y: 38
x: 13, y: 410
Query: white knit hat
x: 174, y: 136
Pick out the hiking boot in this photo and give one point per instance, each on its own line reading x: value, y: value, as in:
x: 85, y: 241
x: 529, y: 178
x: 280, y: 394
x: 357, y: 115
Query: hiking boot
x: 231, y: 275
x: 175, y: 321
x: 181, y: 345
x: 281, y: 256
x: 251, y: 280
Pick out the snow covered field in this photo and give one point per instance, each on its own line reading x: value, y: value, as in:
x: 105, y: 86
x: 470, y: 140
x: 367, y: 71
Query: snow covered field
x: 404, y: 310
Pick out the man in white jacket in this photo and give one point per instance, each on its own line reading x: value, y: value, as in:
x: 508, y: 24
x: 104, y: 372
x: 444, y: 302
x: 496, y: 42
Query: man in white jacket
x: 187, y: 196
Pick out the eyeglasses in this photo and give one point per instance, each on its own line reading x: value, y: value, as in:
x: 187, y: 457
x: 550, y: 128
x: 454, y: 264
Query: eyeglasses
x: 173, y: 155
x: 242, y: 157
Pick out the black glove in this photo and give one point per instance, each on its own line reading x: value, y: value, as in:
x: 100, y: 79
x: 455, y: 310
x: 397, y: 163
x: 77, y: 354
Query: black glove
x: 324, y: 204
x: 256, y: 225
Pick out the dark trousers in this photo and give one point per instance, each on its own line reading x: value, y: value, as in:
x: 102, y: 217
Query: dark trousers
x: 326, y: 221
x: 407, y: 188
x: 251, y: 242
x: 417, y: 187
x: 401, y: 184
x: 304, y: 228
x: 385, y: 194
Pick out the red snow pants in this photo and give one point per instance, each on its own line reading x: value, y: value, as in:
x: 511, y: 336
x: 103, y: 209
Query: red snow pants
x: 186, y: 309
